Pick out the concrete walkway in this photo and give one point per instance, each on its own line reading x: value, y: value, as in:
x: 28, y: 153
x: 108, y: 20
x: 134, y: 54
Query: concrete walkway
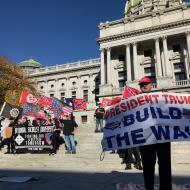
x: 83, y: 171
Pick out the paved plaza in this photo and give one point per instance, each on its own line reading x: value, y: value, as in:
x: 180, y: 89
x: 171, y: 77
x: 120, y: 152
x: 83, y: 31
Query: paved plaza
x: 84, y: 170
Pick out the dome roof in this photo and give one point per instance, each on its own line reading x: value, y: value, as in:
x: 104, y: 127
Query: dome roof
x: 30, y: 63
x: 131, y: 3
x: 136, y: 7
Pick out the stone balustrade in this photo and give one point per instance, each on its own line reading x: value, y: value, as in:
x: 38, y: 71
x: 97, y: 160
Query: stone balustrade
x: 182, y: 83
x: 66, y: 66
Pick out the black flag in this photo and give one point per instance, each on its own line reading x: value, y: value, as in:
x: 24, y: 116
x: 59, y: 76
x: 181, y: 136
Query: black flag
x: 10, y: 111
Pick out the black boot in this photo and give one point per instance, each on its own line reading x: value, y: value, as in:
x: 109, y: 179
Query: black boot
x: 138, y: 166
x: 128, y: 167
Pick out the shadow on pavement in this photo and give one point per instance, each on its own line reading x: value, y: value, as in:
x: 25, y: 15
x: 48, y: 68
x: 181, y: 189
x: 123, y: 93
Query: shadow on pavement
x: 70, y: 180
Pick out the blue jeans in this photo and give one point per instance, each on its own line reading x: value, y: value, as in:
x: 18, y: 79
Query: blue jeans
x: 70, y: 143
x: 99, y: 122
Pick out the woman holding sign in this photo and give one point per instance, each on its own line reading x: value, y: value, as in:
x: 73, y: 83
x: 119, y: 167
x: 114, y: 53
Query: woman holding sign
x: 150, y: 153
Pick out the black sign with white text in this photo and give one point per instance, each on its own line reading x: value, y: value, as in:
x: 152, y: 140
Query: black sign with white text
x: 33, y: 138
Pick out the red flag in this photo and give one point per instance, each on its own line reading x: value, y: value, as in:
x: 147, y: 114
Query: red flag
x: 26, y: 97
x: 105, y: 102
x: 115, y: 100
x: 79, y: 104
x: 129, y: 91
x: 110, y: 102
x: 45, y: 101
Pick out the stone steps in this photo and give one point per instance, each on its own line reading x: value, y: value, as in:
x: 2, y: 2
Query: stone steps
x: 87, y: 157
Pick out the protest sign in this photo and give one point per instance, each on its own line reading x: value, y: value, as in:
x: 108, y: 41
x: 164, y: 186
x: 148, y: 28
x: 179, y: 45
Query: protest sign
x: 147, y: 119
x: 33, y: 138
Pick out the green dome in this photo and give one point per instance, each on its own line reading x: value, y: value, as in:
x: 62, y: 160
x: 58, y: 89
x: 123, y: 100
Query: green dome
x: 30, y: 63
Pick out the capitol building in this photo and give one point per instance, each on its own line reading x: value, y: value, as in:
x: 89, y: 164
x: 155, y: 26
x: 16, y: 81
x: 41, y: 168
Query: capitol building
x: 152, y: 39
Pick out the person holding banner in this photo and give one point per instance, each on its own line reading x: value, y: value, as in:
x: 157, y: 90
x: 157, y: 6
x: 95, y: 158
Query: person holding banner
x: 150, y: 153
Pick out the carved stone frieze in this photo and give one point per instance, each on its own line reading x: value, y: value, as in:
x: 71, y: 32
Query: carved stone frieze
x: 145, y: 31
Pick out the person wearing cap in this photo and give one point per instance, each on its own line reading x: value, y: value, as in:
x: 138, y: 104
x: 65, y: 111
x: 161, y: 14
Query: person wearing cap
x: 150, y: 153
x: 99, y: 115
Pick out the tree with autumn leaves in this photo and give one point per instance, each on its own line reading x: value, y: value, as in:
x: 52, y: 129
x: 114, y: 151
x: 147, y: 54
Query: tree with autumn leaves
x: 13, y: 80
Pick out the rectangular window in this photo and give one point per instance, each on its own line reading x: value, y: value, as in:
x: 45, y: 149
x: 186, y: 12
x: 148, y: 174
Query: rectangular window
x: 149, y: 70
x: 180, y: 76
x: 121, y: 57
x: 148, y: 53
x: 176, y: 48
x: 121, y: 83
x: 121, y: 73
x: 153, y: 79
x: 97, y: 91
x: 85, y: 95
x: 84, y: 118
x: 179, y: 65
x: 51, y: 95
x: 73, y: 94
x: 62, y: 95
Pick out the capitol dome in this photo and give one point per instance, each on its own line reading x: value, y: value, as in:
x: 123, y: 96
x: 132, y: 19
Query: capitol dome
x: 30, y: 64
x: 138, y: 7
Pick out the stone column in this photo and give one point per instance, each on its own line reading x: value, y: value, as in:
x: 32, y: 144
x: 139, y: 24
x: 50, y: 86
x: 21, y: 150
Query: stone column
x: 158, y: 60
x: 187, y: 64
x: 168, y: 71
x: 108, y: 66
x: 91, y: 95
x: 128, y: 62
x: 67, y: 95
x: 102, y: 67
x: 135, y: 64
x: 57, y: 92
x: 79, y: 87
x: 46, y: 88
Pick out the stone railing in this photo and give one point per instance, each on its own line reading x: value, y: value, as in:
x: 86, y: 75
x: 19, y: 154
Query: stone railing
x: 182, y: 83
x: 66, y: 66
x: 154, y: 85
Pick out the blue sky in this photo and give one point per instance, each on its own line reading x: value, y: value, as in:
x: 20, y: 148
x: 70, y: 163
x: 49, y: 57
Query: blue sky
x: 54, y: 31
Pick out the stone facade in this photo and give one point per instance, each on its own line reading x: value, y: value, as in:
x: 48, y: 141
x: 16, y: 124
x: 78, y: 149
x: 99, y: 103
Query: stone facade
x: 80, y: 79
x: 152, y: 39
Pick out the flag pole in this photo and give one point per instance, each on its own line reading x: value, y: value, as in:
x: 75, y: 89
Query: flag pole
x: 2, y: 107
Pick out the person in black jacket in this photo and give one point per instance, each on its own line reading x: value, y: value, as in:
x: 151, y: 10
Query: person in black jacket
x: 55, y: 136
x: 99, y: 115
x: 150, y: 153
x: 69, y: 130
x: 9, y: 141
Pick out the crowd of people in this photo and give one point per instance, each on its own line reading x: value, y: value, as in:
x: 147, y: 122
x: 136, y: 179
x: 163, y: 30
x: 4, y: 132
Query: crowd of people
x: 63, y: 131
x: 142, y: 158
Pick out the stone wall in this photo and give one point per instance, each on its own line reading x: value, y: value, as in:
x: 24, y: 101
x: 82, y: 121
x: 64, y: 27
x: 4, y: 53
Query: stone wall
x: 85, y: 118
